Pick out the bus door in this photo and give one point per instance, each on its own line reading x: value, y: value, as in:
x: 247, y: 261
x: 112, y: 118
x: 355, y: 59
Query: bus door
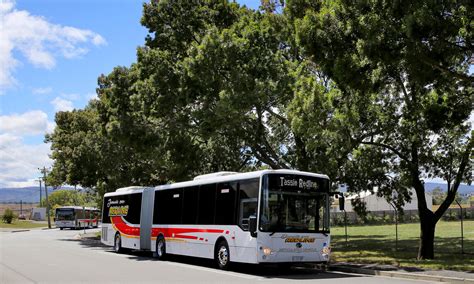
x: 248, y: 207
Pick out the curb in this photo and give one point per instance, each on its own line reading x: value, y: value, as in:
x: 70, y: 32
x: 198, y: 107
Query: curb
x: 404, y: 275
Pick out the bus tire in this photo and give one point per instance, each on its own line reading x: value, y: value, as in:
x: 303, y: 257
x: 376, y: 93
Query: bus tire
x: 61, y: 228
x: 118, y: 243
x: 222, y: 255
x: 160, y: 251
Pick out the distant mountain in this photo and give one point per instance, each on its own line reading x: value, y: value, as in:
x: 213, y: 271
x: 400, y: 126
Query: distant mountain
x: 429, y: 186
x: 25, y: 194
x: 463, y: 188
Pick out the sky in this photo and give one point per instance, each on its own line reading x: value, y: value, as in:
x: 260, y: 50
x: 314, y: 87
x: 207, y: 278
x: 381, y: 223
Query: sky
x: 51, y: 54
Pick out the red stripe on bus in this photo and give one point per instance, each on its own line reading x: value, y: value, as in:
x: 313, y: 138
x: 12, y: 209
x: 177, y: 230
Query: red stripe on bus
x: 169, y: 232
x: 124, y: 228
x: 185, y: 237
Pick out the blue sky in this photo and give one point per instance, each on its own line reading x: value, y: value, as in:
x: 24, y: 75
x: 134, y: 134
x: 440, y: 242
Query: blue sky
x: 51, y: 53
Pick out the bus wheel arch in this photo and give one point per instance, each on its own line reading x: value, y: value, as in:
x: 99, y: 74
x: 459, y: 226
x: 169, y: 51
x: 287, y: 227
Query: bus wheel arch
x: 118, y: 243
x: 160, y: 249
x: 222, y: 253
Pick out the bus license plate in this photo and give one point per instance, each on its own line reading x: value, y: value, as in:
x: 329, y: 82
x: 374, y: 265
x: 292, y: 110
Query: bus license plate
x: 297, y: 258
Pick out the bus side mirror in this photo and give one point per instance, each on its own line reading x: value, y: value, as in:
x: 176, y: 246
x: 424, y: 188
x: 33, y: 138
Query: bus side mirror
x: 253, y: 225
x: 341, y: 203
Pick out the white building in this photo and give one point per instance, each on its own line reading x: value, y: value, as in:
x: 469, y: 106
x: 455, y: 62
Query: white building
x: 38, y: 214
x: 375, y: 203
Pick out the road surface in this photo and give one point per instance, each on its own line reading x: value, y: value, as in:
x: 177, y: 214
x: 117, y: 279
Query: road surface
x: 54, y: 256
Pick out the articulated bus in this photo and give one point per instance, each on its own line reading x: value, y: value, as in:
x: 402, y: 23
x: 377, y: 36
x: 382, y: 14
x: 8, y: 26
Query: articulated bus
x: 76, y: 217
x: 270, y: 216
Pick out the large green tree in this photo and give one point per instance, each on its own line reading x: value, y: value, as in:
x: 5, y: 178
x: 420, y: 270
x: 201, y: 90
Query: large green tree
x: 404, y: 65
x: 222, y: 88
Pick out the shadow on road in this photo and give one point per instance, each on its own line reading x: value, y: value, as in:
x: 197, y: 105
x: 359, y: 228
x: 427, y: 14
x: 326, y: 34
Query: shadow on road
x: 267, y: 271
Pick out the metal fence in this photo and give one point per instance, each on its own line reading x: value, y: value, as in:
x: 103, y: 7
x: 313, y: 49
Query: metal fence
x: 388, y: 217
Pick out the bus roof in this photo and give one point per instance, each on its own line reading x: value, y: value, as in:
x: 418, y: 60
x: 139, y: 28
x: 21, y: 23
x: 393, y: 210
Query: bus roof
x: 77, y: 207
x: 214, y: 178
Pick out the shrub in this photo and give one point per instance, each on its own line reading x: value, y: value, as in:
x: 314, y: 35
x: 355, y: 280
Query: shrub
x: 8, y: 216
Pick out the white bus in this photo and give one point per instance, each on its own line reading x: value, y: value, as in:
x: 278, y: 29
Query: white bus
x: 270, y: 216
x: 76, y: 217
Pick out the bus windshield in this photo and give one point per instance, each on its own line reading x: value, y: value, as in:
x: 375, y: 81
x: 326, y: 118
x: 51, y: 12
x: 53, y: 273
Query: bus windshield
x: 65, y: 214
x: 292, y: 203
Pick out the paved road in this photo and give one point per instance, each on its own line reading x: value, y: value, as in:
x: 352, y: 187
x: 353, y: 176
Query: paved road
x: 54, y: 256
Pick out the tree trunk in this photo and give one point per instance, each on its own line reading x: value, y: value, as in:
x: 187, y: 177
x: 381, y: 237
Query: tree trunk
x: 427, y: 232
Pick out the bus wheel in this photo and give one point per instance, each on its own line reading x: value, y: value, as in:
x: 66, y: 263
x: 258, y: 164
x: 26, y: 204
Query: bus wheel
x: 160, y: 248
x: 118, y: 243
x: 222, y: 255
x: 60, y: 228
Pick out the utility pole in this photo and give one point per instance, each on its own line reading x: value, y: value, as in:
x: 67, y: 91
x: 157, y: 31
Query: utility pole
x: 40, y: 181
x: 46, y: 194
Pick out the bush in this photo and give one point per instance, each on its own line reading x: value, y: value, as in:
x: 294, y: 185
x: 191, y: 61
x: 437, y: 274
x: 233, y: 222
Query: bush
x: 8, y: 216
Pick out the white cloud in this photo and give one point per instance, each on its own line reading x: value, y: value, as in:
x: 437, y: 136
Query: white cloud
x: 37, y: 40
x: 61, y: 104
x: 29, y: 123
x: 20, y: 162
x: 50, y: 127
x: 71, y: 97
x: 42, y: 91
x: 91, y: 96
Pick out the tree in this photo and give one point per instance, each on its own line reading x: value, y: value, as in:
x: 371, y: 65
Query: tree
x: 84, y: 156
x: 404, y: 65
x: 438, y: 196
x: 65, y: 197
x: 228, y: 88
x: 8, y: 216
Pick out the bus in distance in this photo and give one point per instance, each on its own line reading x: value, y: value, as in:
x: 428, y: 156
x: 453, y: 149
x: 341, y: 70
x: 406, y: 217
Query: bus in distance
x: 76, y: 217
x: 269, y: 216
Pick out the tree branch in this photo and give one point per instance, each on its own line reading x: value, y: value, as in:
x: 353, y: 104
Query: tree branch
x: 454, y: 189
x: 395, y: 151
x: 457, y: 75
x: 279, y: 116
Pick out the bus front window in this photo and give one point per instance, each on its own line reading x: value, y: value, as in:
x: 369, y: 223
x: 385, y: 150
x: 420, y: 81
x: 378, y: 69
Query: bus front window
x: 65, y: 215
x: 294, y: 204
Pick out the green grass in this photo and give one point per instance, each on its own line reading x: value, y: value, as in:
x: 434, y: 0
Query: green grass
x: 23, y: 224
x: 376, y: 244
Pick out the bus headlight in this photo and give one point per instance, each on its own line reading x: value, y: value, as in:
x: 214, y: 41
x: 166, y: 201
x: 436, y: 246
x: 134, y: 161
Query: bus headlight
x: 267, y: 251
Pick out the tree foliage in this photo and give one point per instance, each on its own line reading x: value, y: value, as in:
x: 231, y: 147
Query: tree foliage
x: 8, y: 216
x: 220, y: 89
x: 404, y: 66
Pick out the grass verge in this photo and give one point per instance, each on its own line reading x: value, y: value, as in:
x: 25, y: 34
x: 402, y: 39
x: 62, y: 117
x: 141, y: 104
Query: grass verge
x: 23, y: 224
x: 376, y: 244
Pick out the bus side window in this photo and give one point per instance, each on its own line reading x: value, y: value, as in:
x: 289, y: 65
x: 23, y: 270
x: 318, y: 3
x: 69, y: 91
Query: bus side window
x: 225, y: 203
x: 190, y: 205
x: 207, y: 198
x: 248, y: 201
x: 168, y: 204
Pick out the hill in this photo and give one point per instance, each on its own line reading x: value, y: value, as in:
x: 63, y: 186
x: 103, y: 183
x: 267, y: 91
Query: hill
x: 464, y: 189
x: 25, y: 194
